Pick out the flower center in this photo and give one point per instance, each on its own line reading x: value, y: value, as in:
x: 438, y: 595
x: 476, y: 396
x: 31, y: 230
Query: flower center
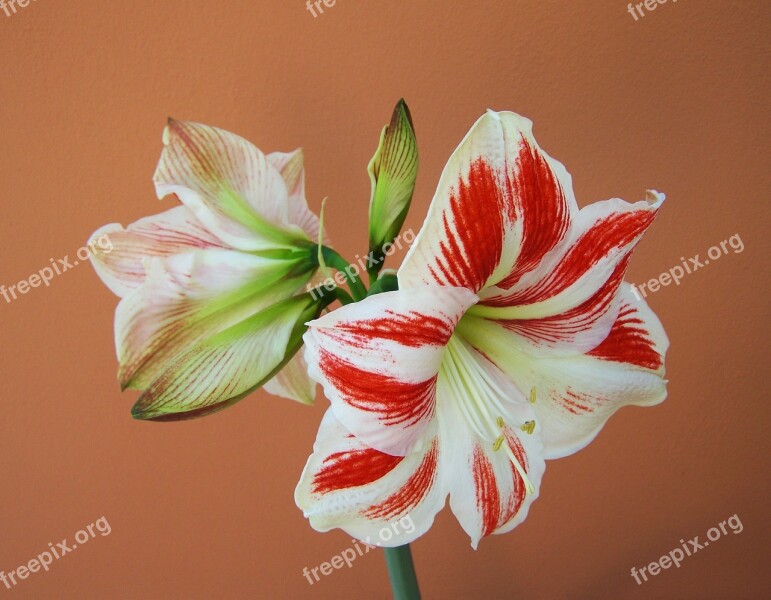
x: 478, y: 396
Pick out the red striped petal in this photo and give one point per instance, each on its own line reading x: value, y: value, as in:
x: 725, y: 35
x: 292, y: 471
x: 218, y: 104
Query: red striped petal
x: 408, y: 496
x: 630, y: 342
x: 378, y: 361
x: 608, y: 233
x: 542, y: 207
x: 576, y: 330
x: 352, y: 468
x: 383, y: 499
x: 501, y: 205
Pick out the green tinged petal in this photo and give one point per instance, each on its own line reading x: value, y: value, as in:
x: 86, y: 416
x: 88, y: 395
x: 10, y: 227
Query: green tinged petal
x: 230, y: 365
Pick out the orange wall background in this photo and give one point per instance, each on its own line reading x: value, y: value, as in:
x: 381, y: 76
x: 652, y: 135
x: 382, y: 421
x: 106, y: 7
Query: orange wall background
x: 677, y: 101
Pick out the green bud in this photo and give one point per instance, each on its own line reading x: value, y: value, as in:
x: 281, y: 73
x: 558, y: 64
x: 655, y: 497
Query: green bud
x: 392, y: 171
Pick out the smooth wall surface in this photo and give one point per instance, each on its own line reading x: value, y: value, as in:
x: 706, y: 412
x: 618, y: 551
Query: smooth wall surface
x: 676, y: 100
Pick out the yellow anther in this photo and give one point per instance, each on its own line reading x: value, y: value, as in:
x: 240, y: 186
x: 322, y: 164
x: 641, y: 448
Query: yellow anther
x: 498, y: 443
x: 528, y: 427
x: 499, y: 422
x: 532, y: 395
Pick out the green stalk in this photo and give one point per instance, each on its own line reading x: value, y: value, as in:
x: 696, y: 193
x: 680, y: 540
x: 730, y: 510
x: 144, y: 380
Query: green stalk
x: 387, y: 283
x: 401, y: 571
x: 337, y: 262
x: 343, y: 296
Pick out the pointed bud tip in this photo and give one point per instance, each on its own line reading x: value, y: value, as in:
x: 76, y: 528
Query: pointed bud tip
x: 403, y: 109
x: 138, y: 413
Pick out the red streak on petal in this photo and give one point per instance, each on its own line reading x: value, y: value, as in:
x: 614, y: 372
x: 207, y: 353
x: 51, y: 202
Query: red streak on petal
x: 487, y: 494
x: 395, y: 402
x: 606, y: 235
x: 629, y: 342
x: 412, y: 492
x: 353, y: 468
x: 412, y: 329
x: 564, y: 326
x: 542, y: 208
x: 474, y: 228
x: 194, y: 146
x: 576, y: 403
x: 520, y: 490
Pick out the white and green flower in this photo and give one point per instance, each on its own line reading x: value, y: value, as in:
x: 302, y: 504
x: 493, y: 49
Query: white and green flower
x: 211, y: 305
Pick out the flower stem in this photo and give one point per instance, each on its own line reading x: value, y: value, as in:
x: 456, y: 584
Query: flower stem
x: 387, y: 283
x: 401, y: 571
x: 334, y: 260
x: 343, y: 296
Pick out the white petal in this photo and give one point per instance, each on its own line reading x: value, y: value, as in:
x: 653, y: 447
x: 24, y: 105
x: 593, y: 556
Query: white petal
x: 378, y: 361
x: 230, y: 186
x: 120, y: 253
x: 187, y: 298
x: 290, y: 165
x: 378, y: 498
x: 226, y: 367
x: 293, y: 381
x: 476, y: 405
x: 576, y: 395
x: 501, y: 205
x: 598, y: 244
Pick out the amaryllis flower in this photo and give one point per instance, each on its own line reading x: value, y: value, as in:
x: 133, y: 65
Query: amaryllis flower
x: 208, y: 310
x: 512, y: 339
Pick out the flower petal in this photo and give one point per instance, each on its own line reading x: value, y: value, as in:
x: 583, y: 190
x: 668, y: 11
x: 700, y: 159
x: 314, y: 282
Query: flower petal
x: 121, y: 264
x: 502, y: 204
x: 378, y: 361
x: 487, y: 493
x: 230, y: 186
x: 576, y: 330
x: 225, y: 368
x: 576, y: 395
x: 379, y: 498
x: 189, y: 297
x: 479, y: 410
x: 293, y: 381
x: 290, y: 165
x: 603, y: 237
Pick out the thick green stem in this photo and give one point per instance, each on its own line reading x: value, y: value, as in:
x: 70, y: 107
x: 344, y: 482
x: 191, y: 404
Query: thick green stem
x: 343, y: 296
x: 387, y: 283
x: 334, y: 260
x: 401, y: 571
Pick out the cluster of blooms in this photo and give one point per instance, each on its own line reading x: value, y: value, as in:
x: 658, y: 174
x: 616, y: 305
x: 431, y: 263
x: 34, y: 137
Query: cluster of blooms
x: 507, y: 337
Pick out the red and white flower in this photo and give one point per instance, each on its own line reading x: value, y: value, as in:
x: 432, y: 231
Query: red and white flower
x: 208, y: 310
x: 511, y: 340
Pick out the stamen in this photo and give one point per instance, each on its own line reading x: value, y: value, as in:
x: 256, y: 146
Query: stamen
x: 532, y: 395
x: 529, y: 488
x: 499, y: 442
